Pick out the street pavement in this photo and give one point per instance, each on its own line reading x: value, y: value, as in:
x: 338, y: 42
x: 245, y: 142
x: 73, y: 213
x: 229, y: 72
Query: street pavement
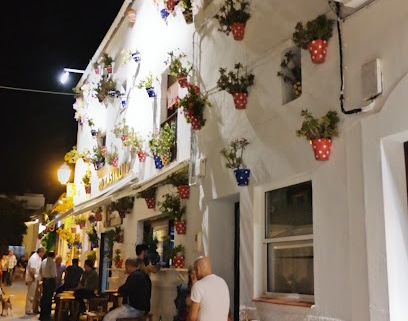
x: 17, y: 292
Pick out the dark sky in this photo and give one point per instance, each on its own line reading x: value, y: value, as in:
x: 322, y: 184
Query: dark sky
x: 39, y: 39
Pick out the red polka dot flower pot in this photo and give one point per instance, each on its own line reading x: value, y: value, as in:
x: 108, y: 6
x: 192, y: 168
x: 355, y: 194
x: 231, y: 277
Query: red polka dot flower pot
x: 150, y: 202
x: 321, y: 148
x: 184, y: 191
x: 240, y: 100
x: 178, y: 261
x: 317, y: 49
x: 238, y: 30
x: 180, y: 227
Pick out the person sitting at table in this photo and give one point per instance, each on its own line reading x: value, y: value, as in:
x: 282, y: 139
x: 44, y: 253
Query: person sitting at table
x: 136, y: 293
x: 87, y: 286
x: 73, y: 274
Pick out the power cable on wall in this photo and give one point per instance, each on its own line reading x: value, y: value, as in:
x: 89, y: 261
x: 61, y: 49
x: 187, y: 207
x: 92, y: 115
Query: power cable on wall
x: 37, y: 91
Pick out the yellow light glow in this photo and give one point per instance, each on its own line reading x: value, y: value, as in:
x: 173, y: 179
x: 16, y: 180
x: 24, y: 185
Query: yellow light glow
x: 64, y: 172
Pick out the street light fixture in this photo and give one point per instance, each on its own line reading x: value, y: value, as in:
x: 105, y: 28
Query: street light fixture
x: 65, y: 75
x: 64, y: 172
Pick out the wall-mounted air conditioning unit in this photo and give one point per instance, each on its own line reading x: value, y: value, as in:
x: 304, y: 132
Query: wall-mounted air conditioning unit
x: 353, y: 3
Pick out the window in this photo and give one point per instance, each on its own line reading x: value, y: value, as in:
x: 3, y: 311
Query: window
x: 289, y: 241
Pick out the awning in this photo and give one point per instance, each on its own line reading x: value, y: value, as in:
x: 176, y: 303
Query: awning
x: 105, y: 196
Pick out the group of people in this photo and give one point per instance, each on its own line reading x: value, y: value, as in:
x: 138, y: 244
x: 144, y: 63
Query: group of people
x: 207, y: 299
x: 8, y: 264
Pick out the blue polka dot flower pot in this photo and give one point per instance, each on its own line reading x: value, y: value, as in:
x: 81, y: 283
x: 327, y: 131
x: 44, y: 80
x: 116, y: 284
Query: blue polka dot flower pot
x: 136, y: 56
x: 164, y: 14
x: 158, y: 162
x: 242, y: 176
x: 150, y: 91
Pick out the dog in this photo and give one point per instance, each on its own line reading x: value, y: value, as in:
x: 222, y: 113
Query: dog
x: 6, y: 304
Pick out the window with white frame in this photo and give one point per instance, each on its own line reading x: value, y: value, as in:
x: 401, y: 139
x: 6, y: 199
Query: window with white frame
x: 289, y: 242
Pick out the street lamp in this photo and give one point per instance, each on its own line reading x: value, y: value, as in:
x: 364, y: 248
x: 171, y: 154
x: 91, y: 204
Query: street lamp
x: 65, y: 75
x: 64, y: 172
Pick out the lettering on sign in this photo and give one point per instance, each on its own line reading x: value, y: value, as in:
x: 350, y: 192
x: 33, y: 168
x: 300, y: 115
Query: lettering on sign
x: 114, y: 175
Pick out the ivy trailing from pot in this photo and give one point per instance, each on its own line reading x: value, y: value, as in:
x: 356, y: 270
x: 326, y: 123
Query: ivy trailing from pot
x: 171, y: 205
x: 314, y: 36
x: 236, y: 83
x: 319, y: 132
x: 232, y: 17
x: 233, y: 154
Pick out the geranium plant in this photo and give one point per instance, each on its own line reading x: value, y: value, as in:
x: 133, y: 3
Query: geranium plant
x: 112, y: 157
x: 233, y: 154
x: 172, y: 206
x: 235, y: 81
x: 106, y: 59
x: 106, y: 86
x: 148, y: 192
x: 176, y: 66
x: 193, y: 105
x: 99, y: 154
x: 313, y: 128
x: 233, y: 16
x: 162, y: 141
x: 178, y: 178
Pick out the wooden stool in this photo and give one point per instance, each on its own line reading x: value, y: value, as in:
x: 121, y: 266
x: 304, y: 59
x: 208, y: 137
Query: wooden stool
x: 66, y: 308
x: 116, y: 299
x: 98, y: 301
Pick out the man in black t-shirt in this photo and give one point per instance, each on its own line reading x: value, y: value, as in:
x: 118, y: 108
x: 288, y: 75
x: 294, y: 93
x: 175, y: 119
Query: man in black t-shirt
x: 136, y: 293
x: 73, y: 274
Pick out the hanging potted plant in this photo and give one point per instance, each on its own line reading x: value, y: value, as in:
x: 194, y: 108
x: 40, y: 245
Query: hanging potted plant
x: 187, y: 7
x: 147, y: 83
x: 96, y: 67
x: 123, y: 205
x: 233, y: 155
x: 98, y: 214
x: 117, y: 259
x: 86, y: 179
x: 170, y: 5
x: 193, y: 105
x: 177, y: 69
x: 314, y: 37
x: 180, y: 180
x: 93, y: 236
x: 154, y: 146
x: 236, y: 84
x: 112, y: 157
x: 171, y: 205
x: 149, y: 195
x: 98, y: 157
x: 72, y: 156
x: 80, y: 220
x: 129, y: 54
x: 233, y: 17
x: 106, y: 87
x: 161, y: 144
x: 319, y: 132
x: 177, y: 255
x: 291, y: 72
x: 131, y: 15
x: 107, y: 62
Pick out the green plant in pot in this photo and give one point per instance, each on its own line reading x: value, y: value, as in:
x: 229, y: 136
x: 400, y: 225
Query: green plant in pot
x: 107, y: 62
x: 236, y: 83
x: 291, y: 72
x: 147, y: 83
x: 314, y: 36
x: 180, y: 180
x: 123, y: 205
x: 162, y: 142
x: 172, y: 206
x: 187, y: 8
x: 177, y: 68
x: 149, y: 194
x: 319, y: 132
x: 177, y: 254
x: 234, y: 156
x: 232, y: 17
x: 106, y: 87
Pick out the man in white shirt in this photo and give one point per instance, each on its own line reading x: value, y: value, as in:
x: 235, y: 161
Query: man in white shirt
x: 209, y: 295
x: 32, y: 277
x: 11, y: 263
x: 49, y: 284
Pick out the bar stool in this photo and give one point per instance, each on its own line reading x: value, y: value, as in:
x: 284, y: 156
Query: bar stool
x: 66, y: 308
x: 96, y: 302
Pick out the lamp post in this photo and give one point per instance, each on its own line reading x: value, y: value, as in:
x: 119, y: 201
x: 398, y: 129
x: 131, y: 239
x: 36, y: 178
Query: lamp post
x: 65, y: 75
x: 64, y: 172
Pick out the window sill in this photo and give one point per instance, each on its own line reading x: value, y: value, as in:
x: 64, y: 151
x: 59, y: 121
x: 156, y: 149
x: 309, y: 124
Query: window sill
x: 284, y: 301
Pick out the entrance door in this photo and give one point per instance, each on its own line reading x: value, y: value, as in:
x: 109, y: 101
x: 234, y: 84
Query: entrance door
x: 104, y: 264
x: 236, y: 262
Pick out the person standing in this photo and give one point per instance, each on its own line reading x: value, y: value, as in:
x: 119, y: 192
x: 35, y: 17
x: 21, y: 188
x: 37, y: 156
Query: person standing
x: 210, y: 299
x: 73, y: 274
x: 87, y: 286
x: 141, y: 253
x: 61, y: 268
x: 4, y: 269
x: 49, y: 283
x: 11, y: 262
x: 136, y: 293
x: 32, y: 277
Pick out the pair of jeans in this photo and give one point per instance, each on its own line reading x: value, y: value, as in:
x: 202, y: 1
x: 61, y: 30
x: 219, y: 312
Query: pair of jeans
x: 48, y: 288
x: 124, y: 311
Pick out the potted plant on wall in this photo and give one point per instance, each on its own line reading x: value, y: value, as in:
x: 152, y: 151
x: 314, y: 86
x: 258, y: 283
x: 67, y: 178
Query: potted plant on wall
x: 112, y: 157
x: 106, y: 87
x: 314, y: 37
x: 86, y: 179
x: 233, y: 154
x: 291, y: 72
x: 177, y: 69
x: 98, y: 157
x: 171, y: 205
x: 161, y: 144
x: 319, y: 132
x: 177, y: 255
x: 117, y: 259
x: 123, y: 205
x: 233, y: 17
x: 187, y: 7
x: 80, y: 220
x: 96, y: 67
x: 193, y: 105
x: 93, y: 236
x: 180, y: 180
x: 236, y: 84
x: 107, y: 62
x: 149, y: 194
x: 147, y: 83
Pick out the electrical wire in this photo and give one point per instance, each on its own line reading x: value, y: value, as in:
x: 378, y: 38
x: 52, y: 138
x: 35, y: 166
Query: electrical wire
x: 37, y: 91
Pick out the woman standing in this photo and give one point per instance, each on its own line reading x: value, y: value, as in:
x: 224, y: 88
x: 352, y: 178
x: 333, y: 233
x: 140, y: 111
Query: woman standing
x: 4, y: 268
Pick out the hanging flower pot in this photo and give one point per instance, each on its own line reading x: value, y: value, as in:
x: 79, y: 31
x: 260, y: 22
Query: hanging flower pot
x: 136, y: 56
x: 88, y: 189
x: 73, y: 229
x: 109, y: 69
x: 142, y: 156
x: 158, y: 162
x: 170, y: 5
x: 150, y: 202
x: 240, y: 100
x: 317, y: 49
x: 94, y: 244
x: 180, y: 227
x: 178, y: 261
x: 99, y: 164
x: 98, y: 216
x: 131, y: 14
x: 96, y: 69
x: 69, y: 245
x: 122, y: 214
x: 164, y: 14
x: 195, y: 123
x: 165, y: 158
x: 321, y: 148
x: 121, y: 237
x: 188, y: 16
x: 81, y: 225
x: 112, y: 93
x: 118, y: 263
x: 238, y: 30
x: 184, y: 191
x: 150, y: 91
x: 94, y: 132
x: 182, y: 80
x: 242, y: 176
x: 123, y: 102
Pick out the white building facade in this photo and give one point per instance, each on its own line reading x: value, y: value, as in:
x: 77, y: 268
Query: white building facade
x: 355, y: 244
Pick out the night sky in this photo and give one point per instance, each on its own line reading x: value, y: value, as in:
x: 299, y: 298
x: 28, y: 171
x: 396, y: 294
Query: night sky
x: 39, y: 39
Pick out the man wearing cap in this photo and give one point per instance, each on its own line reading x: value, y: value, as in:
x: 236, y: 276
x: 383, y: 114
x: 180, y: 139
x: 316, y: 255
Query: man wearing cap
x: 32, y: 277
